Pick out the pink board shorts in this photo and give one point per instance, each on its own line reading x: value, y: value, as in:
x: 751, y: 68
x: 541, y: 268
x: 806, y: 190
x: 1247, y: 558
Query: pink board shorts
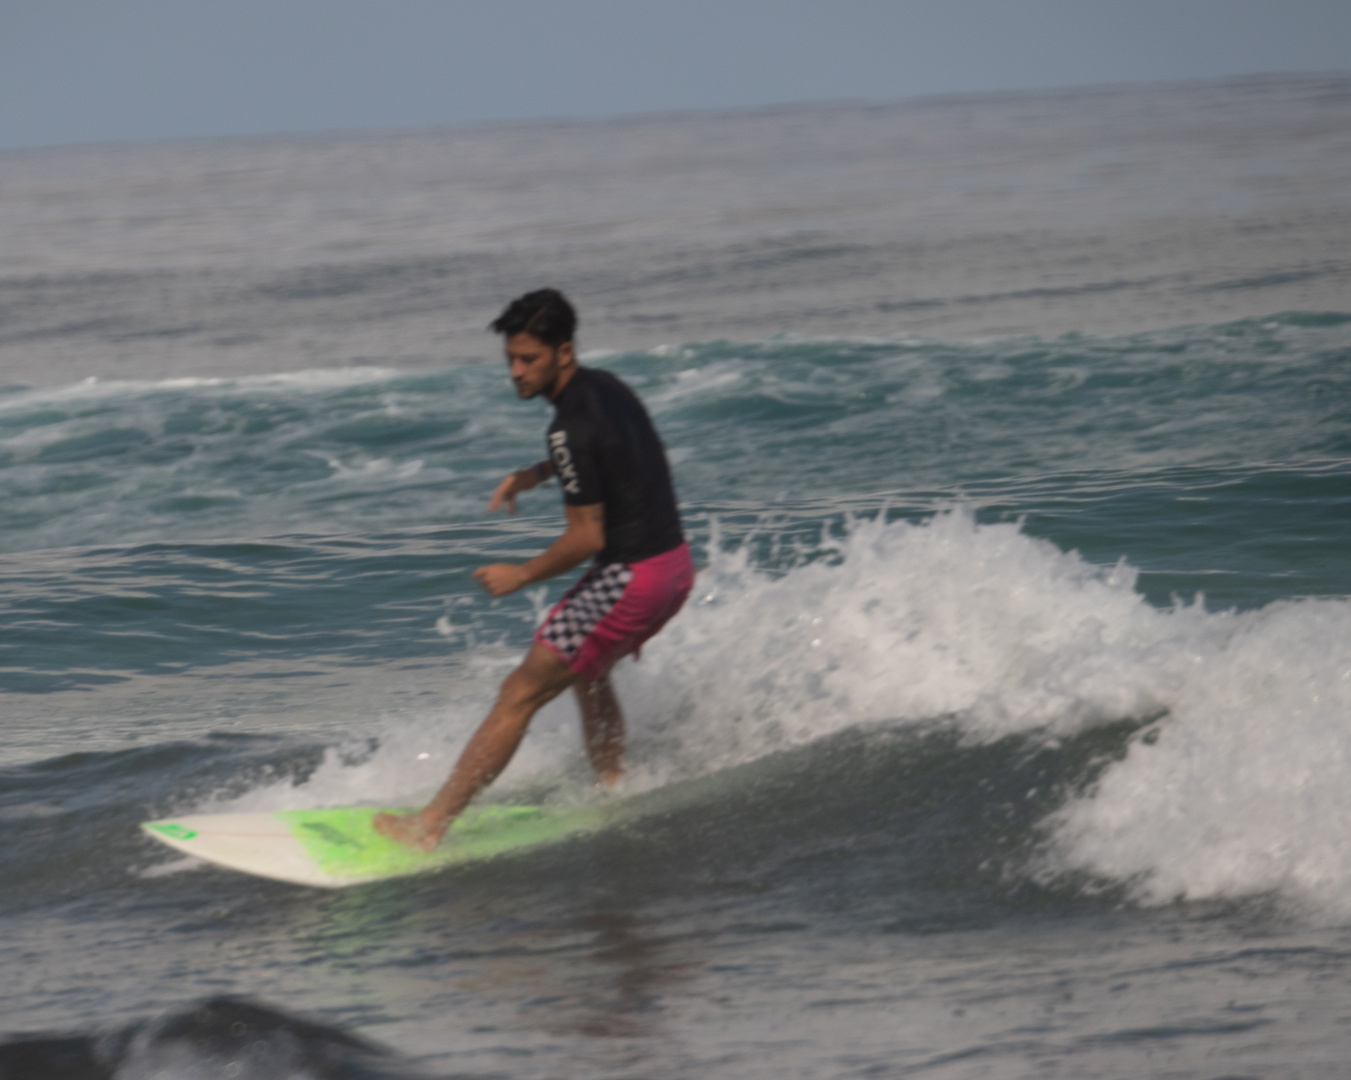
x: 614, y: 608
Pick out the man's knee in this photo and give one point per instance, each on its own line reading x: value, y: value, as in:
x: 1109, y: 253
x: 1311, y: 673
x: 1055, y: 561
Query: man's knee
x: 539, y: 678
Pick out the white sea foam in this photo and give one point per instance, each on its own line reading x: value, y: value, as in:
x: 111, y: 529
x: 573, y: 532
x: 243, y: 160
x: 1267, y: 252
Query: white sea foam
x: 946, y: 621
x: 94, y: 388
x: 1248, y: 786
x: 168, y: 869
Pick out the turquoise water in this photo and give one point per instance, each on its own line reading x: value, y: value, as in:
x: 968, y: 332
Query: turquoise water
x: 181, y: 526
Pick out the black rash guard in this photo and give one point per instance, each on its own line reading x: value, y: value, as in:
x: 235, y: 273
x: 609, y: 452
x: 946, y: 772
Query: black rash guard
x: 604, y: 449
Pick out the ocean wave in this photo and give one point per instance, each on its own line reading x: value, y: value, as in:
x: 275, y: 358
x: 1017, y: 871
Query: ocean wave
x: 1234, y: 785
x: 1240, y: 788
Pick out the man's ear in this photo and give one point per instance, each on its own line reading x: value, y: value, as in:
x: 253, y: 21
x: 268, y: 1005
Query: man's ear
x: 566, y: 355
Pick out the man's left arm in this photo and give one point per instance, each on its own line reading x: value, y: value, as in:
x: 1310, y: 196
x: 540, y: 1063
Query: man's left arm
x: 583, y: 538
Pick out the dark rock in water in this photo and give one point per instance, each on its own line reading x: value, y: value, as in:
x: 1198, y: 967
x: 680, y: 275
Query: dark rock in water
x: 221, y: 1037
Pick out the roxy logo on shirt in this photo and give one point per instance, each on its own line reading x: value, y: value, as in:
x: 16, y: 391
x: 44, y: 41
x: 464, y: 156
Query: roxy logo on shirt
x: 567, y: 471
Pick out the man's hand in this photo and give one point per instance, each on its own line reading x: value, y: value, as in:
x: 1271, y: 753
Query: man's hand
x: 585, y: 535
x: 512, y: 485
x: 499, y: 579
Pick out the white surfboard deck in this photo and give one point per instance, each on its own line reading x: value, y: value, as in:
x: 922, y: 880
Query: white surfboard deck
x: 258, y: 844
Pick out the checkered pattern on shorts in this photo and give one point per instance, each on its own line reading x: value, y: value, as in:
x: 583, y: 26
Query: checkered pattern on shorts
x: 583, y: 606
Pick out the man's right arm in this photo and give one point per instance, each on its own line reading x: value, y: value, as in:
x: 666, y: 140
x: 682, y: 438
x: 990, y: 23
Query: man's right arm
x: 521, y: 480
x: 583, y: 538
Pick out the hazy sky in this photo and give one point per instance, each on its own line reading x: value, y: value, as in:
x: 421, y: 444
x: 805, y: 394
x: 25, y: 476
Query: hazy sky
x: 103, y: 70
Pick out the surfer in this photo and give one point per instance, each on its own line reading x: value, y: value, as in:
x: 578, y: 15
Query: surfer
x: 620, y: 508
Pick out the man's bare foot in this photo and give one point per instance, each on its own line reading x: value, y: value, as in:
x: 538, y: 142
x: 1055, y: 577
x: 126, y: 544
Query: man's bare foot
x: 411, y: 830
x: 609, y: 780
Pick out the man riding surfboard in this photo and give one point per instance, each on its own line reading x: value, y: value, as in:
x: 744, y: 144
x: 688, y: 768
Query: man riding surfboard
x: 620, y: 510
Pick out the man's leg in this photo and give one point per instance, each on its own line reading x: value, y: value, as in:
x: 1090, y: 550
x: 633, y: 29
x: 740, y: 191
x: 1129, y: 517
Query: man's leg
x: 602, y: 727
x: 541, y: 677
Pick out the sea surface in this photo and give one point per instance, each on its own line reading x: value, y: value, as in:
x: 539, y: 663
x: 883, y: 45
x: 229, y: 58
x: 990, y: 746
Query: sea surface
x: 1007, y: 732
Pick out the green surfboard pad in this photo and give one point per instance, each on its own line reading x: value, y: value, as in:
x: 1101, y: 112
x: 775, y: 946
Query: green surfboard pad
x: 344, y: 843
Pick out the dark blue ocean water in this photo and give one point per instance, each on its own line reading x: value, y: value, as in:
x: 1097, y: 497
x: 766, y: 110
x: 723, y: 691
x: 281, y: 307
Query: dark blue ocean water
x: 1006, y: 734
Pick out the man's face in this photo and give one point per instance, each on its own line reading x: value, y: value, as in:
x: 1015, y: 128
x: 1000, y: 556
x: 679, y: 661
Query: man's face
x: 535, y: 366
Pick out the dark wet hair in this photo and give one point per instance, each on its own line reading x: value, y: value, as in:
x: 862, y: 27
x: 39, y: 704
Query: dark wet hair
x: 544, y: 314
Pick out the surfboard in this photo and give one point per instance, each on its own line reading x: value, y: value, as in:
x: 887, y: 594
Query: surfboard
x: 335, y: 848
